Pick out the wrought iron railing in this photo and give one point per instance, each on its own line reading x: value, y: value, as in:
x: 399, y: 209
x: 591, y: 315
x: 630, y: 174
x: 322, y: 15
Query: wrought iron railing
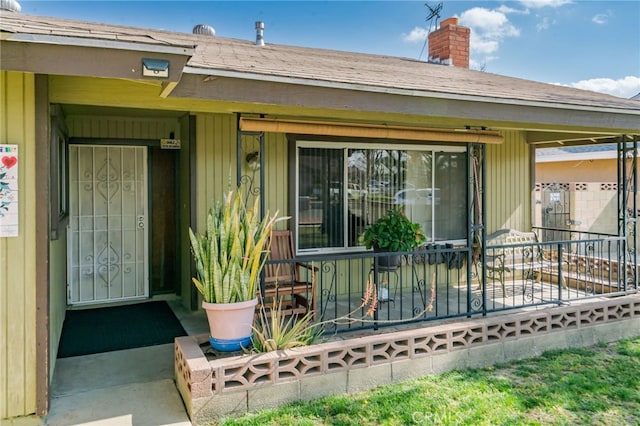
x: 435, y: 283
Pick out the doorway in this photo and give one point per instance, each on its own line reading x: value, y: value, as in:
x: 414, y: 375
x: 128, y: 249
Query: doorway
x: 123, y: 227
x: 107, y: 247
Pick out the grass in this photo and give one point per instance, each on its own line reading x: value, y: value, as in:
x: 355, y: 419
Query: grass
x: 592, y: 386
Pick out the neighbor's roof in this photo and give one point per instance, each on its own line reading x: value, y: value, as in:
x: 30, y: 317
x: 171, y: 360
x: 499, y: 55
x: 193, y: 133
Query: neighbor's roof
x: 312, y: 66
x: 578, y: 153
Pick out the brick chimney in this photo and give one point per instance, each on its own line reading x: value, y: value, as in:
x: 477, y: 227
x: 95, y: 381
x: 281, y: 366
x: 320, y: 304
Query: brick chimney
x: 449, y: 44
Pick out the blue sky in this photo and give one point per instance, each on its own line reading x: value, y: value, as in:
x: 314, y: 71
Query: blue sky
x: 593, y: 45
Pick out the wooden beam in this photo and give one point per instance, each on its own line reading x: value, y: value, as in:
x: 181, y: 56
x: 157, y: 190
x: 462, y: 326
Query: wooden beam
x: 374, y: 131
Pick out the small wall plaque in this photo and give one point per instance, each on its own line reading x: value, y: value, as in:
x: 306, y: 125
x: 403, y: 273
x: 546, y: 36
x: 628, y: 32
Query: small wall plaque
x: 170, y: 144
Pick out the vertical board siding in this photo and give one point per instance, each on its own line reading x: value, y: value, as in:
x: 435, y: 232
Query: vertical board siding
x: 215, y: 161
x: 121, y: 127
x: 276, y: 177
x: 57, y: 295
x: 17, y: 254
x: 216, y: 142
x: 508, y: 184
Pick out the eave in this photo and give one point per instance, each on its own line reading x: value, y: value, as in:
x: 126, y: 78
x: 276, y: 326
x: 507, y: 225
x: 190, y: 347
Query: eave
x: 490, y: 112
x: 91, y: 58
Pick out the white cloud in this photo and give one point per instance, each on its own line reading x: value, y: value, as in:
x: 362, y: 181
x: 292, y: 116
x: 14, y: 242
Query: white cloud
x: 506, y: 9
x: 538, y: 4
x: 416, y: 34
x: 488, y: 29
x: 483, y: 47
x: 544, y: 24
x: 625, y: 87
x: 601, y: 18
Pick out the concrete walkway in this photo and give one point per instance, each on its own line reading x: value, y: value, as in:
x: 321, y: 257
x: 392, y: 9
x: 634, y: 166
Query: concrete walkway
x: 121, y: 388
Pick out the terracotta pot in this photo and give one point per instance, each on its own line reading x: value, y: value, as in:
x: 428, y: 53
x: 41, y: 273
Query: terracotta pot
x: 230, y: 324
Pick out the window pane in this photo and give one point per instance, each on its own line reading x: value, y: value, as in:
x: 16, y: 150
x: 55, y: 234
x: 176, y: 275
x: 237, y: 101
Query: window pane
x: 416, y: 194
x: 451, y: 196
x: 339, y: 196
x: 321, y: 198
x: 357, y: 178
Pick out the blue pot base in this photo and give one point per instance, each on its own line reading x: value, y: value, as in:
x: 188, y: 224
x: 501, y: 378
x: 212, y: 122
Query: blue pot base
x: 230, y: 345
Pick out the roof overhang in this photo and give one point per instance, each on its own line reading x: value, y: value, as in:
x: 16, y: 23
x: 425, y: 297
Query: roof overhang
x: 45, y: 54
x: 472, y: 110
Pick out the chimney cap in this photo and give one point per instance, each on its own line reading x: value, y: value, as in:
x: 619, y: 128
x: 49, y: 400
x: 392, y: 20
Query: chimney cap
x: 449, y: 21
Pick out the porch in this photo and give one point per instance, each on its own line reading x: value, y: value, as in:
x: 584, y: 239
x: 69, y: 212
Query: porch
x: 434, y: 282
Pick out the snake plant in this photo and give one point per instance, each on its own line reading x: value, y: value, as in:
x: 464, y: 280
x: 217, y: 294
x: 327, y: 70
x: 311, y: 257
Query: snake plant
x: 231, y: 253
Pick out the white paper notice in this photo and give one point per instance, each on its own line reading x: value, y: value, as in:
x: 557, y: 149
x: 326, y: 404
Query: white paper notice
x: 8, y: 190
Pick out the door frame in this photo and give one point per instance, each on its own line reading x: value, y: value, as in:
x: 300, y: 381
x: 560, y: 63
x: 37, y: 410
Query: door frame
x: 145, y: 294
x: 135, y: 142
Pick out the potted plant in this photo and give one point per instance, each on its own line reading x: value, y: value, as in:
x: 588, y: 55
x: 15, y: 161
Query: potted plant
x: 229, y: 258
x: 393, y: 232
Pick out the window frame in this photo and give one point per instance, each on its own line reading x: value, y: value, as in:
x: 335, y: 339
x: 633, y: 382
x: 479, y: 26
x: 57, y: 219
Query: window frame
x: 355, y: 143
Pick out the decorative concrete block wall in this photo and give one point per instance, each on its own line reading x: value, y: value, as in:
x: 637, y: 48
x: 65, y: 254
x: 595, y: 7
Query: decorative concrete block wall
x: 213, y: 389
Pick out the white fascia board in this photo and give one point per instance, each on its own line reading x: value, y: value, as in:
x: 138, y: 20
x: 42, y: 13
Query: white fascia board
x: 396, y: 91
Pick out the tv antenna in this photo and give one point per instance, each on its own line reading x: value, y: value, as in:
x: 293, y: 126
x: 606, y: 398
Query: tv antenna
x: 434, y: 12
x: 434, y: 15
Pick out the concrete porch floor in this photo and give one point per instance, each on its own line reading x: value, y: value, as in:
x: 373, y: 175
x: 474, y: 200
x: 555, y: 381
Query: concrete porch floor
x: 130, y: 387
x: 136, y: 386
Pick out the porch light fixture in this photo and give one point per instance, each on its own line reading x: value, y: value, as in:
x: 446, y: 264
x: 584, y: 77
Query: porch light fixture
x: 378, y: 131
x: 253, y: 160
x: 158, y: 68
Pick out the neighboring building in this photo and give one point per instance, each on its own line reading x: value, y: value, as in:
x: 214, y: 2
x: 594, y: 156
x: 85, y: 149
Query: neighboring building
x: 87, y: 106
x: 577, y: 188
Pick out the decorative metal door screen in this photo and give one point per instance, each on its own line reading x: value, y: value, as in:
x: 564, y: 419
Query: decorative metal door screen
x: 556, y: 211
x: 107, y: 232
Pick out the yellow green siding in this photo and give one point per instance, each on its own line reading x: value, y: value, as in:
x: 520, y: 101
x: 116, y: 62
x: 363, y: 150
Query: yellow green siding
x: 508, y: 184
x: 57, y: 294
x: 121, y: 127
x: 17, y: 254
x: 215, y: 160
x: 277, y: 185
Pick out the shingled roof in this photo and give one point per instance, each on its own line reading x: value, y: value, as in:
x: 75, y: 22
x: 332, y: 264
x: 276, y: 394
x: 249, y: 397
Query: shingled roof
x: 309, y: 65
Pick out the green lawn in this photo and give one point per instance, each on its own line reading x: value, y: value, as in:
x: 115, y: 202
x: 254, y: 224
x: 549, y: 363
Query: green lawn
x: 592, y: 386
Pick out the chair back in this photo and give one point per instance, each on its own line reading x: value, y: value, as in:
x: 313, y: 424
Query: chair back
x: 281, y: 248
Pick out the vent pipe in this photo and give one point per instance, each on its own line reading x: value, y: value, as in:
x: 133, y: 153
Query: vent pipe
x: 10, y: 5
x: 259, y: 33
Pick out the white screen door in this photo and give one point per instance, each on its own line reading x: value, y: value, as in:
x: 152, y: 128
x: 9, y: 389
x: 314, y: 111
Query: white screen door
x: 107, y: 233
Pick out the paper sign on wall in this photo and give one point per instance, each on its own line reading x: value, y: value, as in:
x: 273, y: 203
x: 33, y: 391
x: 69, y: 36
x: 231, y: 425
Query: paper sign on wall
x: 8, y: 190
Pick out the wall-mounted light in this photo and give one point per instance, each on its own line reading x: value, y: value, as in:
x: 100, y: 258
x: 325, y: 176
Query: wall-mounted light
x: 155, y: 68
x: 253, y: 160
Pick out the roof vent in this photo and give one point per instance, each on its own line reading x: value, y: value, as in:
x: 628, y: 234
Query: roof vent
x: 10, y: 5
x: 259, y: 33
x: 204, y: 29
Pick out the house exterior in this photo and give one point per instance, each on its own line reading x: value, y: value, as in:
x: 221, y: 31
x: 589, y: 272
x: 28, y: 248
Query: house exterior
x: 586, y: 178
x: 97, y: 113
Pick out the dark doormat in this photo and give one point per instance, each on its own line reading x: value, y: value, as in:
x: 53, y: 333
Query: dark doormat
x: 91, y: 331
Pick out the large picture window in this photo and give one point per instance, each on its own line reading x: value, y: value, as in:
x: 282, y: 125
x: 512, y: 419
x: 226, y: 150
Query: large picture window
x: 341, y: 188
